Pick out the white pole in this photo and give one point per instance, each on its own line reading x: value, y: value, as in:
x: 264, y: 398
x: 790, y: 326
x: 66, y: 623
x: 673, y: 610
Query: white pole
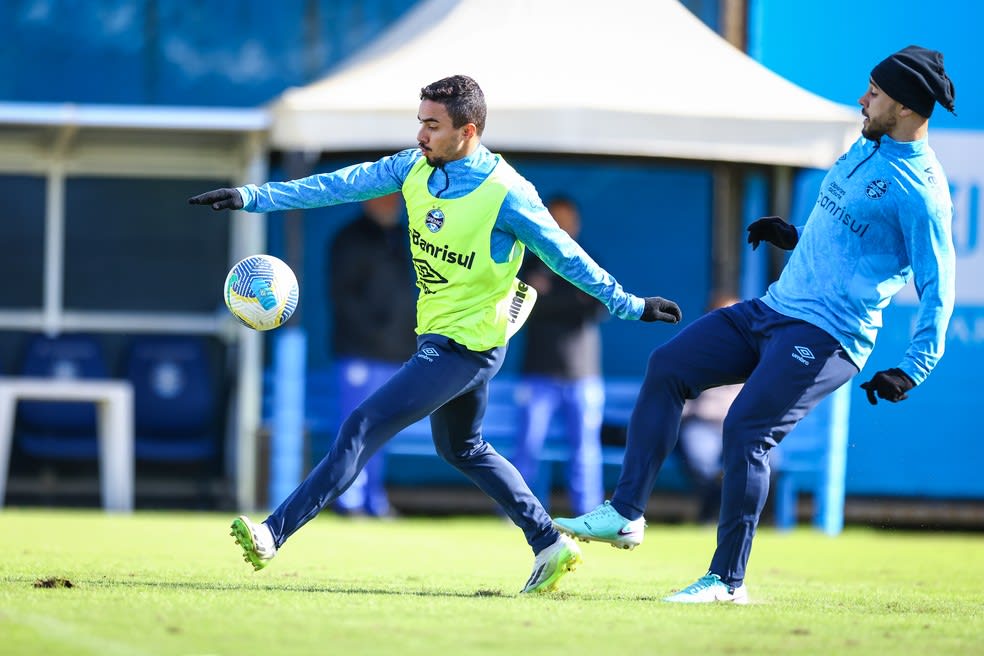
x: 54, y: 246
x: 249, y: 236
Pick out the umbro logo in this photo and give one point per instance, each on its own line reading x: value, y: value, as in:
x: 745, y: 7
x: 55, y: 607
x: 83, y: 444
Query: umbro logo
x: 427, y: 276
x: 803, y: 355
x: 428, y: 353
x: 427, y: 273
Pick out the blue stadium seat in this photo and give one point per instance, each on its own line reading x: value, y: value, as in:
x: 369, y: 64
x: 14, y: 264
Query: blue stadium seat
x: 60, y: 430
x: 175, y: 399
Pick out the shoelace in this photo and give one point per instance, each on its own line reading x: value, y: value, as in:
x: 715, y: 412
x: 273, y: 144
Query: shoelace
x: 702, y: 583
x: 601, y: 511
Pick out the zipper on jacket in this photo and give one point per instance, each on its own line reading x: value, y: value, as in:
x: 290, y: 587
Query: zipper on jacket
x: 873, y: 151
x: 447, y: 180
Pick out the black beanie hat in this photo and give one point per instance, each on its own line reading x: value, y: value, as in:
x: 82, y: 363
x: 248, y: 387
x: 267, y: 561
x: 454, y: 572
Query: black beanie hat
x: 914, y: 76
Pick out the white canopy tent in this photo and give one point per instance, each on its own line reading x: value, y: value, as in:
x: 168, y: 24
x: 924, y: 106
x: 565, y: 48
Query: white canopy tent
x: 629, y: 77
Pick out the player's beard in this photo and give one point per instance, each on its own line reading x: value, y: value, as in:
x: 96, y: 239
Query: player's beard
x: 436, y: 162
x: 432, y: 159
x: 876, y: 129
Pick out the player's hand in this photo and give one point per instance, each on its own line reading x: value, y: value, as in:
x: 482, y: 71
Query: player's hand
x: 773, y: 230
x: 219, y: 199
x: 890, y: 384
x: 661, y: 309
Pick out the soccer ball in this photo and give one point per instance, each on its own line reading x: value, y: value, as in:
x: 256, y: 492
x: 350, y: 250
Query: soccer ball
x: 261, y: 291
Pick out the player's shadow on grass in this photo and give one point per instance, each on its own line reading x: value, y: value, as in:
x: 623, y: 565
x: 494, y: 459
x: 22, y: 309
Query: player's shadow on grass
x: 341, y: 588
x: 253, y: 587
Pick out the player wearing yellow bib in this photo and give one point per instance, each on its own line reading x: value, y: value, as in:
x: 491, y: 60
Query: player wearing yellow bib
x: 470, y: 216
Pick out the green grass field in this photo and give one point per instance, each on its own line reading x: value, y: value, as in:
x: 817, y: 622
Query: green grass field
x: 169, y: 583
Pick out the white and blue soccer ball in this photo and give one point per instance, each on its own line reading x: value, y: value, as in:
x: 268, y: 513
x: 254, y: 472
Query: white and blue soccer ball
x: 261, y: 291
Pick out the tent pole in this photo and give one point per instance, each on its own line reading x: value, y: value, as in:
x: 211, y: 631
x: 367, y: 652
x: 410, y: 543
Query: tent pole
x: 782, y: 205
x: 726, y: 228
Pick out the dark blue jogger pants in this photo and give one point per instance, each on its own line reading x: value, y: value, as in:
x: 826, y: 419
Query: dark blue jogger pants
x: 447, y: 381
x: 787, y: 365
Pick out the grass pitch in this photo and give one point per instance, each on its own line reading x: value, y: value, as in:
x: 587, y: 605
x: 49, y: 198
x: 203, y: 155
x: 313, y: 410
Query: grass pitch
x: 169, y: 583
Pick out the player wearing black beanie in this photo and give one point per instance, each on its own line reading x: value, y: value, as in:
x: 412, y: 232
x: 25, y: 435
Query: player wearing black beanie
x: 883, y: 217
x: 914, y: 76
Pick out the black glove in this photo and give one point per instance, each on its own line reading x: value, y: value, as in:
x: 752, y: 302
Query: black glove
x: 891, y: 385
x: 660, y: 309
x: 219, y: 199
x: 773, y: 230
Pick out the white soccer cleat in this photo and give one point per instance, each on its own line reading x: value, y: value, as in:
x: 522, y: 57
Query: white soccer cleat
x: 709, y: 589
x: 256, y: 541
x: 603, y: 524
x: 551, y: 564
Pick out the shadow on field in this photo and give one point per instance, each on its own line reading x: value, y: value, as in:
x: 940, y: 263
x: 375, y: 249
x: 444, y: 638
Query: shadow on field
x: 253, y: 587
x: 340, y: 589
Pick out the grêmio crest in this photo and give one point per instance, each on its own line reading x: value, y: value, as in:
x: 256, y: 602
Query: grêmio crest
x: 876, y: 189
x: 434, y: 220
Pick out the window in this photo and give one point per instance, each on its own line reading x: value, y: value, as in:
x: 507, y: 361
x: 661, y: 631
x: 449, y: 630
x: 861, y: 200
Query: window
x: 136, y: 245
x: 22, y: 242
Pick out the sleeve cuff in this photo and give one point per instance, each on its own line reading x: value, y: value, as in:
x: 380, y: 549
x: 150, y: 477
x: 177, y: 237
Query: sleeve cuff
x: 911, y: 372
x: 248, y: 193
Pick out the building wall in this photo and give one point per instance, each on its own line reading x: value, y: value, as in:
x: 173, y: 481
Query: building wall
x: 175, y: 52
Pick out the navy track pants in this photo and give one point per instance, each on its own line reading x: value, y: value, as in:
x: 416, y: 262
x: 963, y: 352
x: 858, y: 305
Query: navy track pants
x: 449, y: 382
x: 787, y: 366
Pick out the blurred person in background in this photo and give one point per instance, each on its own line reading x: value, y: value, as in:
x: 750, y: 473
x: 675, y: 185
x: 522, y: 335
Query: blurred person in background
x: 471, y: 216
x: 561, y: 372
x: 883, y: 217
x: 701, y: 436
x: 373, y: 300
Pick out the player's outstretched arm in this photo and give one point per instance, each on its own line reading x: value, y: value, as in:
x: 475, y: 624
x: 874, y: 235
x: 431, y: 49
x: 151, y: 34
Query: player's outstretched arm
x: 661, y: 309
x: 219, y: 199
x: 773, y: 230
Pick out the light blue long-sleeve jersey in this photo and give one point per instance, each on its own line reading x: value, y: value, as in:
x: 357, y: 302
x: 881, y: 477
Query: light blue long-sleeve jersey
x: 883, y: 216
x: 522, y: 216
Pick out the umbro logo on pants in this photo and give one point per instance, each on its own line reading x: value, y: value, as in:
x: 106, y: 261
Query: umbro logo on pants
x: 803, y: 354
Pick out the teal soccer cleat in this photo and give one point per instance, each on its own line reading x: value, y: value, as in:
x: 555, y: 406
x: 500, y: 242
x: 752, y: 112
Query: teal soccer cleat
x: 709, y: 589
x: 551, y: 564
x: 603, y: 524
x: 256, y: 541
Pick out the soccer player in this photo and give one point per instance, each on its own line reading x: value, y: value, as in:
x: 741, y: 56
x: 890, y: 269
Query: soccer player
x: 470, y: 215
x: 882, y: 217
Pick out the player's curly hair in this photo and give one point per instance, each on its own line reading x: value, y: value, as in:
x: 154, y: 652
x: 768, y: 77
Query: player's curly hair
x: 462, y: 97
